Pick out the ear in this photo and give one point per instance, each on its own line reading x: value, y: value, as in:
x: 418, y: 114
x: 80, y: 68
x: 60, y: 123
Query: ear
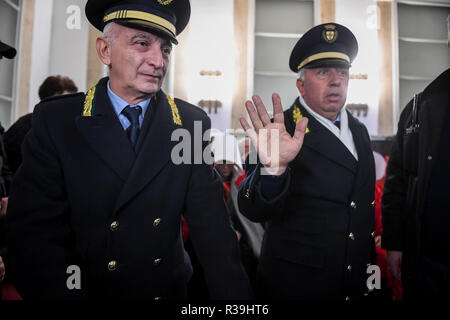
x: 104, y: 51
x: 301, y: 86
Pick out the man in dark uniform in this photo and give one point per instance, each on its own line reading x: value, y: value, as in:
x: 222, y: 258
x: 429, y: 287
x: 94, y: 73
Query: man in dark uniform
x: 317, y: 193
x: 98, y: 190
x: 415, y: 206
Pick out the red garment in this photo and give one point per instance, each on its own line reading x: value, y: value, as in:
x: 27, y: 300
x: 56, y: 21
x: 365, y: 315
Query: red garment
x: 226, y: 187
x: 237, y: 182
x: 391, y: 282
x: 9, y: 293
x: 184, y: 229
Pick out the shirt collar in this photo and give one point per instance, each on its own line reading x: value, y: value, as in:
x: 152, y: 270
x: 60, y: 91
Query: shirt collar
x: 326, y: 122
x: 119, y: 104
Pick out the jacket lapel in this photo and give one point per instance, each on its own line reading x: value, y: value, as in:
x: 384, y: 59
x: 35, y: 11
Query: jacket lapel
x: 105, y: 135
x: 366, y: 163
x: 321, y: 140
x: 154, y: 147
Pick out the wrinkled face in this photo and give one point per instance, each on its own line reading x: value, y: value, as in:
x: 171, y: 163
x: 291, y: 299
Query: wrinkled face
x: 225, y: 169
x: 325, y: 90
x: 138, y: 61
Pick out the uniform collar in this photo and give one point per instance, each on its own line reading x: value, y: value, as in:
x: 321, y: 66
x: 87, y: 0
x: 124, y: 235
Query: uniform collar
x: 119, y: 104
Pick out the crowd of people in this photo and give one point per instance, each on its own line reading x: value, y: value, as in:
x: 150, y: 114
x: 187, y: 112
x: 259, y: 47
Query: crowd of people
x: 87, y: 180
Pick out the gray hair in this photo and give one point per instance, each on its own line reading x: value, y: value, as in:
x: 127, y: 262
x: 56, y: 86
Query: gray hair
x: 301, y: 74
x: 110, y: 32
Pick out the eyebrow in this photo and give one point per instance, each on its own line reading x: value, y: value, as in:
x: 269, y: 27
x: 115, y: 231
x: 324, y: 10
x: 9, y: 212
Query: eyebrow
x: 140, y: 36
x: 146, y: 37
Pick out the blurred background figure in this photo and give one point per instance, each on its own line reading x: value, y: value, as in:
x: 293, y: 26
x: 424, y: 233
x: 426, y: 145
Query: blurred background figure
x: 229, y: 165
x: 228, y: 162
x: 56, y: 86
x: 52, y: 86
x: 5, y: 178
x: 391, y: 288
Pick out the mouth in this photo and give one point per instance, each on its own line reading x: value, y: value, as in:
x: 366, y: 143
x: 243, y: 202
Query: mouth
x: 333, y: 97
x: 151, y: 77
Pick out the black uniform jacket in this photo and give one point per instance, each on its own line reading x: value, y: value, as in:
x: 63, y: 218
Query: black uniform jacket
x: 409, y: 171
x: 83, y: 197
x: 319, y: 237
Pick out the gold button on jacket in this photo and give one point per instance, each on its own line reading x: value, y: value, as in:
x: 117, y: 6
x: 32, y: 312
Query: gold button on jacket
x: 112, y: 265
x: 114, y: 226
x: 157, y: 262
x: 157, y: 222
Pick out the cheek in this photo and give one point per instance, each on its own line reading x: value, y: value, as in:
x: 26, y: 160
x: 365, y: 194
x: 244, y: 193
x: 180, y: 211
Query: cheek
x: 166, y: 65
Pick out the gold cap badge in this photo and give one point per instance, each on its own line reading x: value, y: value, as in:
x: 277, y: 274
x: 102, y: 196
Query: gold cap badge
x: 330, y: 34
x: 164, y: 2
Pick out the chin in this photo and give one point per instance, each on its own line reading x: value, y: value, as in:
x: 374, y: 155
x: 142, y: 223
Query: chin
x: 150, y: 89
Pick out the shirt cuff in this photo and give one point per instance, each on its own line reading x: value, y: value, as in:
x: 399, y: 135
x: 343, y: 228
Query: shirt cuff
x: 272, y: 186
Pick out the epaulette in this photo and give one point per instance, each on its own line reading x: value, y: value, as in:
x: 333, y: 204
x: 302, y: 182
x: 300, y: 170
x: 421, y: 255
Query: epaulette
x: 297, y: 115
x: 89, y: 102
x: 176, y: 118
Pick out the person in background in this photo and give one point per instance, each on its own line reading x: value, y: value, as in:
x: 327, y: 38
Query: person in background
x: 53, y: 86
x: 5, y: 177
x: 415, y: 206
x: 227, y: 161
x: 391, y: 287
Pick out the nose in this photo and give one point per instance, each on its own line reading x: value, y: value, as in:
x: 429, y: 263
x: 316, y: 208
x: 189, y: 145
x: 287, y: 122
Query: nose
x: 155, y: 57
x: 335, y: 79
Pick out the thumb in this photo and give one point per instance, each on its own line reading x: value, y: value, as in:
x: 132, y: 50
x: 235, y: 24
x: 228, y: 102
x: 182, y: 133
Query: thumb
x: 300, y: 129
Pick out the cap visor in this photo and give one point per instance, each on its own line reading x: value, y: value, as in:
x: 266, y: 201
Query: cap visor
x: 328, y: 63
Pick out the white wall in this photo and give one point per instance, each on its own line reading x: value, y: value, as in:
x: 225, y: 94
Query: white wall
x: 361, y: 18
x: 40, y: 56
x: 211, y: 31
x: 60, y: 44
x: 69, y: 47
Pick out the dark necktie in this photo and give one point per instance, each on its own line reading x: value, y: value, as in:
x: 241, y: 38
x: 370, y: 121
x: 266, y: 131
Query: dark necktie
x: 132, y: 114
x: 337, y: 123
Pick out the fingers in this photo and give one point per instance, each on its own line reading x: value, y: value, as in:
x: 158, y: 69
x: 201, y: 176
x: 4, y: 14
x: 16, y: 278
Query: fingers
x: 262, y: 112
x: 300, y: 130
x: 244, y: 124
x: 394, y: 261
x: 254, y: 117
x: 251, y: 133
x: 278, y: 115
x: 396, y: 273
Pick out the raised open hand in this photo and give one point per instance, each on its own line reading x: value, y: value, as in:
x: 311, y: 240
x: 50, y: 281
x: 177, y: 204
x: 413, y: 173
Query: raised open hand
x: 275, y: 146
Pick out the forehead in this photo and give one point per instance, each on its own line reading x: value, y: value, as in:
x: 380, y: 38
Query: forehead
x: 132, y: 33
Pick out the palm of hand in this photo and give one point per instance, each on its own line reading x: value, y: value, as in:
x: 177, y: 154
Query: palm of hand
x: 275, y: 146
